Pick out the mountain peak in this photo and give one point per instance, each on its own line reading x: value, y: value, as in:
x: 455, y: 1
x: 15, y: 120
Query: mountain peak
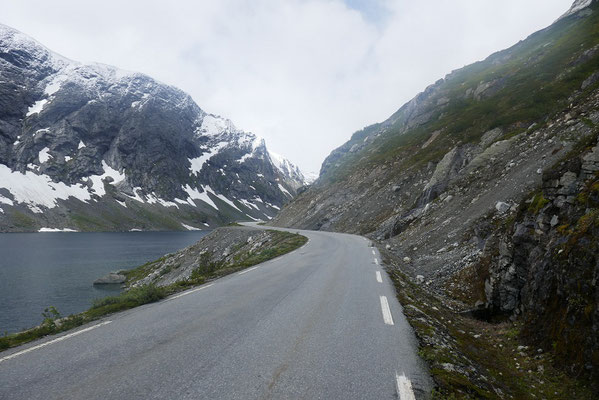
x: 577, y: 6
x: 105, y: 142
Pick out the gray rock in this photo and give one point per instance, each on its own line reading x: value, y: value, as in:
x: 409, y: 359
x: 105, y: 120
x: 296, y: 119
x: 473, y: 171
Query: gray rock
x: 489, y: 137
x: 445, y: 170
x: 419, y: 279
x: 111, y: 279
x: 502, y: 207
x: 590, y: 80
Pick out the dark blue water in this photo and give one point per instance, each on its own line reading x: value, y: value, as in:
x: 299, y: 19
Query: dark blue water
x: 38, y: 270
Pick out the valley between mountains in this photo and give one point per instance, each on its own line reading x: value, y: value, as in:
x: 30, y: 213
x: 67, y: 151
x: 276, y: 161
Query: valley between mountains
x: 452, y: 249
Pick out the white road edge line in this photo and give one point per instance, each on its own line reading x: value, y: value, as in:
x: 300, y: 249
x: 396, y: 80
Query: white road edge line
x: 404, y: 387
x: 373, y: 253
x: 60, y: 339
x: 387, y: 317
x: 379, y: 278
x: 246, y: 271
x: 376, y: 261
x: 190, y: 292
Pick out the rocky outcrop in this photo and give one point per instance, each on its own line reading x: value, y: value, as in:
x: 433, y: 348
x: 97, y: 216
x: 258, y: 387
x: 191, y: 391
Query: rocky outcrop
x: 223, y: 251
x: 545, y: 267
x: 90, y: 142
x: 113, y: 278
x: 478, y: 184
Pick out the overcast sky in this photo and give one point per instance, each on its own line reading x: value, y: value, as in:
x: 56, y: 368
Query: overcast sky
x: 303, y: 74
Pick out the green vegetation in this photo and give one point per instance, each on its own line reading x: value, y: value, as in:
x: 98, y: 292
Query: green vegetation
x: 528, y: 83
x: 133, y: 297
x: 537, y: 204
x: 23, y: 220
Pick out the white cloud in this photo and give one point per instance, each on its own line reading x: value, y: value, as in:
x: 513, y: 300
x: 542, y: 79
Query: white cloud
x: 304, y: 74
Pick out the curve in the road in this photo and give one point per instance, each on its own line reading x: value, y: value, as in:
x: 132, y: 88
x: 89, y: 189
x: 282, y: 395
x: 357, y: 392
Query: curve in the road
x: 321, y: 322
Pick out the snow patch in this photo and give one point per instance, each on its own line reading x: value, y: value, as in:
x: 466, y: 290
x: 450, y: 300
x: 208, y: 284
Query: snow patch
x: 153, y: 199
x: 244, y: 157
x: 81, y: 145
x: 37, y: 107
x: 5, y: 200
x: 282, y: 189
x: 44, y: 155
x: 190, y: 228
x: 54, y: 86
x: 68, y: 158
x: 136, y: 195
x: 273, y: 206
x: 196, y: 195
x: 97, y: 180
x: 213, y: 125
x: 56, y: 230
x: 198, y: 162
x: 38, y: 190
x: 310, y: 177
x: 577, y: 6
x: 248, y: 204
x: 229, y: 202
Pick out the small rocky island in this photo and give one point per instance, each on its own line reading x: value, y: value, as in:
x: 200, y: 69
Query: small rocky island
x: 113, y: 278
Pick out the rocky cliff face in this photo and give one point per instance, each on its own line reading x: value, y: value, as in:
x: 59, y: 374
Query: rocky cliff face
x: 484, y: 186
x: 91, y: 147
x: 545, y: 264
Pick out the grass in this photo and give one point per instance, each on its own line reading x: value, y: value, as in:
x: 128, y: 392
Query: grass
x: 535, y: 79
x: 280, y: 243
x: 537, y: 204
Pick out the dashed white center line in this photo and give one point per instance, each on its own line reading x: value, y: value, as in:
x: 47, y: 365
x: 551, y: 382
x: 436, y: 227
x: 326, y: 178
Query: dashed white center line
x: 60, y: 339
x: 379, y: 278
x: 245, y: 271
x: 376, y: 261
x: 387, y: 317
x: 404, y: 387
x: 190, y: 292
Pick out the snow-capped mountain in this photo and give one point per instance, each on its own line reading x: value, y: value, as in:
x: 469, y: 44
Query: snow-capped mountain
x: 92, y: 147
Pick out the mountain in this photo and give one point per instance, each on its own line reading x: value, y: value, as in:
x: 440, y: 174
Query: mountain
x: 92, y: 147
x: 484, y: 187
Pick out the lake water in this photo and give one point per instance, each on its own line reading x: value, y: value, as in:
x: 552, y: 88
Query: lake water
x: 38, y: 270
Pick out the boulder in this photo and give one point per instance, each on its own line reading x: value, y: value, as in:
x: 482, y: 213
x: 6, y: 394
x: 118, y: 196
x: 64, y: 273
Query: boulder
x: 502, y: 207
x: 111, y: 279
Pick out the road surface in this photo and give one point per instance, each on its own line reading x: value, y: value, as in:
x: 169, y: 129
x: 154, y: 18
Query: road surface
x: 321, y: 322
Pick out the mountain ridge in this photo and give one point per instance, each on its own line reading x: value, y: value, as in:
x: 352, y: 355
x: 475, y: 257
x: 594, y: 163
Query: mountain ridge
x: 482, y: 192
x: 73, y: 134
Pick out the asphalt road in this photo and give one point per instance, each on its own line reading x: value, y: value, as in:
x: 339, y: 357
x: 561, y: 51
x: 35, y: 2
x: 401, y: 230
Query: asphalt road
x: 312, y: 324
